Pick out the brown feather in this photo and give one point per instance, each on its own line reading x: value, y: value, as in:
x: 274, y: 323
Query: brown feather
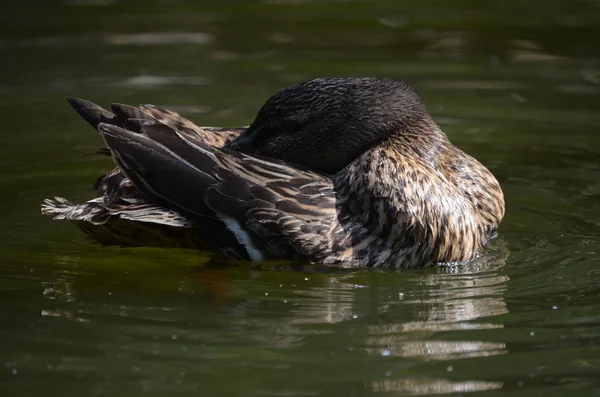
x: 356, y: 173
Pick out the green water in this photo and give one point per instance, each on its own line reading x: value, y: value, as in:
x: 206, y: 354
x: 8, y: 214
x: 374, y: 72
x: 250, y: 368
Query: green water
x: 514, y: 83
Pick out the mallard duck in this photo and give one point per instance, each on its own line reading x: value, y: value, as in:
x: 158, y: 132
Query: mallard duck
x: 349, y: 171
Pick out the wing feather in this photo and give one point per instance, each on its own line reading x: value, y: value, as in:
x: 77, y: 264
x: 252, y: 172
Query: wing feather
x: 253, y: 207
x: 261, y: 201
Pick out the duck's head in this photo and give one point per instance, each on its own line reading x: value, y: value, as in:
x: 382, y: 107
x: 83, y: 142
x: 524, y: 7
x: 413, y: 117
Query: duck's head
x: 326, y: 123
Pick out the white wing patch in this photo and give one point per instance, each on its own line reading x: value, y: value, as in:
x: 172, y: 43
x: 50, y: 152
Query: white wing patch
x: 242, y: 237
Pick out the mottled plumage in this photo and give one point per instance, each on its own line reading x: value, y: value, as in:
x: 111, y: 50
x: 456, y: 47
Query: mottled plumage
x: 333, y: 170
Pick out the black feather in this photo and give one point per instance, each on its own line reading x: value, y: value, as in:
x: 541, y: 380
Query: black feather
x: 136, y: 124
x: 124, y: 112
x: 157, y: 171
x: 160, y: 174
x: 92, y: 113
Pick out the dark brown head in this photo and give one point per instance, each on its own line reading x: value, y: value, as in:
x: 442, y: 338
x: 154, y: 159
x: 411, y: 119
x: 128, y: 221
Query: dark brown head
x: 326, y: 123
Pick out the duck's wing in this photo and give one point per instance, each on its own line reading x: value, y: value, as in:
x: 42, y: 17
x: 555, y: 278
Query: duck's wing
x: 274, y: 210
x: 124, y: 115
x: 121, y: 214
x: 120, y: 195
x: 213, y: 136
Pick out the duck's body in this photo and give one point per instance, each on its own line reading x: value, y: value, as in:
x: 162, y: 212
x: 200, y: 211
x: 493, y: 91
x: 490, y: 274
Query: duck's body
x: 348, y: 171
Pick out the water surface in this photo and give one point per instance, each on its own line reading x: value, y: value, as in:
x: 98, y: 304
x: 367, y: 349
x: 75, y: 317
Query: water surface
x: 515, y: 85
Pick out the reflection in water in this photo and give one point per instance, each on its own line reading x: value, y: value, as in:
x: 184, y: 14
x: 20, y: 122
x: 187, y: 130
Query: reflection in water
x: 449, y: 301
x: 530, y: 51
x: 415, y: 386
x: 434, y: 350
x: 332, y: 302
x: 150, y: 81
x: 416, y: 313
x: 160, y: 38
x: 95, y: 3
x: 61, y: 290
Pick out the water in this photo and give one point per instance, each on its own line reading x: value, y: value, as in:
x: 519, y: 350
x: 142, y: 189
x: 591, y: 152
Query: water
x: 516, y: 84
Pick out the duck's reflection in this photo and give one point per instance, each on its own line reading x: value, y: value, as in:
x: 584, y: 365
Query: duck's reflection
x: 413, y: 320
x: 416, y: 386
x: 446, y: 302
x: 407, y: 328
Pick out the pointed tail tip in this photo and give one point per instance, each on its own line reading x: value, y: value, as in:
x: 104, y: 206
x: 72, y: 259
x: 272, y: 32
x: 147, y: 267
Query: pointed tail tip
x: 91, y: 112
x: 79, y: 103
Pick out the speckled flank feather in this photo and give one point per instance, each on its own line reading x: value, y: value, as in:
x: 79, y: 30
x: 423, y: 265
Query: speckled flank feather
x: 445, y: 216
x: 344, y: 171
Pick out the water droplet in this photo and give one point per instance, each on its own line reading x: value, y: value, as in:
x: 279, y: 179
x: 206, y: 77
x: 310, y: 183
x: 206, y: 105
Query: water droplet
x: 449, y: 368
x: 385, y: 352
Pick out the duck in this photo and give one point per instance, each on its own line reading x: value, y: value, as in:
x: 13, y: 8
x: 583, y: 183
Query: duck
x: 339, y: 171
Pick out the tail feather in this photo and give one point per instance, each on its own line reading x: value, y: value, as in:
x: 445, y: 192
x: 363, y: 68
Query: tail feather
x: 124, y: 113
x: 166, y: 168
x: 92, y: 113
x: 97, y: 212
x: 158, y: 195
x: 61, y: 208
x: 128, y: 225
x: 158, y: 171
